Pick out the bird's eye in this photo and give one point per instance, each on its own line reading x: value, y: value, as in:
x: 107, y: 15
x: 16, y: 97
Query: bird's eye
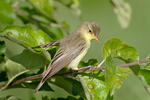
x: 90, y: 31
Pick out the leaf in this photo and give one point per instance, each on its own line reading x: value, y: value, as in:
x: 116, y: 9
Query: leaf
x: 73, y: 4
x: 13, y: 70
x: 70, y: 85
x: 115, y: 76
x: 25, y: 57
x: 2, y: 50
x: 123, y: 12
x: 110, y: 74
x: 117, y: 49
x: 146, y: 74
x: 109, y: 97
x: 147, y: 66
x: 44, y: 6
x: 20, y: 93
x: 26, y: 35
x: 94, y: 89
x: 92, y: 62
x: 30, y: 60
x: 2, y: 47
x: 6, y: 14
x: 57, y: 32
x: 56, y: 93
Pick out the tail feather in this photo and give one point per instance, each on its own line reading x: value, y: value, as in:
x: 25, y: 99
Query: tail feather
x: 45, y: 77
x: 39, y: 86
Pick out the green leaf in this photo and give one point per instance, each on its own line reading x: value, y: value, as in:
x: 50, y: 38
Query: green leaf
x: 44, y: 6
x: 72, y: 86
x: 20, y: 93
x: 94, y: 88
x: 146, y: 74
x: 92, y: 62
x: 31, y: 60
x: 6, y: 14
x: 57, y: 32
x: 110, y: 73
x: 2, y: 47
x: 26, y: 35
x: 56, y: 93
x: 115, y: 76
x: 13, y: 70
x: 109, y: 97
x: 147, y: 66
x: 118, y: 49
x: 2, y: 51
x: 25, y: 57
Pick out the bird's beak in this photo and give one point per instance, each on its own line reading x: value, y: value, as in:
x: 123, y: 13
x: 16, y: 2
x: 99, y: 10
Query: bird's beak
x: 96, y: 38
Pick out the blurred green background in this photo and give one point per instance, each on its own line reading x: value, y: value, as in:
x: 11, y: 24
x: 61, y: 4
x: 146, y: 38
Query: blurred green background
x: 137, y: 34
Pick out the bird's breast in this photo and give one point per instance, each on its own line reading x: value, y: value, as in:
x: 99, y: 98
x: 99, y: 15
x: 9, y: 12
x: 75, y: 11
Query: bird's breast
x: 73, y: 65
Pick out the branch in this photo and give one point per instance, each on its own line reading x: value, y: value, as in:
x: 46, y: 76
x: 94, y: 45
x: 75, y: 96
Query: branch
x: 84, y: 69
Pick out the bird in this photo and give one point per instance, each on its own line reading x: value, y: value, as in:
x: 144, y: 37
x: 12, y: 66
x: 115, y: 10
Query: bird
x: 72, y: 49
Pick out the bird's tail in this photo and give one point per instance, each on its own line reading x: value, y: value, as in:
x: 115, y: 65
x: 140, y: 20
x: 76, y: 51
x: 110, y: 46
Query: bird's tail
x: 46, y: 75
x: 39, y: 86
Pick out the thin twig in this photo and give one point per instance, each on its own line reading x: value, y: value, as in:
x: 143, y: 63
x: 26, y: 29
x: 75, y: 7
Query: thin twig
x: 84, y: 69
x: 146, y: 87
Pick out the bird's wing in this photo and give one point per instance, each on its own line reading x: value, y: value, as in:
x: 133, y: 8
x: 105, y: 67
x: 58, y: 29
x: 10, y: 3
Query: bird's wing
x: 54, y: 43
x: 62, y: 58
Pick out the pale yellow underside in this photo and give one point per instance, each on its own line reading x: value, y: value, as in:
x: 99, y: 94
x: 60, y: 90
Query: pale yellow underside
x: 74, y: 64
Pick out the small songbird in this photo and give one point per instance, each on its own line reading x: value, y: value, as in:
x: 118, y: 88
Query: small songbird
x: 72, y: 49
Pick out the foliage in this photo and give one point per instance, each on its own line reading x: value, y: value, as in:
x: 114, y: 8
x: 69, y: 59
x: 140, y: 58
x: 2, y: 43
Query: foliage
x: 28, y: 23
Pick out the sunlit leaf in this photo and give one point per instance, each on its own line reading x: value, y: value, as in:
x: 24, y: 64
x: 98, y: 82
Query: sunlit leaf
x: 26, y: 35
x: 118, y: 49
x: 94, y: 89
x: 110, y: 74
x: 114, y: 75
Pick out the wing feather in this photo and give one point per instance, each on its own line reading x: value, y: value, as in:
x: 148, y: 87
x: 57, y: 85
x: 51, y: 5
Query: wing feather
x: 62, y: 58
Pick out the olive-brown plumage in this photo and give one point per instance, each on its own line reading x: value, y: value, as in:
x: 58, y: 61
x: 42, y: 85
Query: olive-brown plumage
x: 72, y: 49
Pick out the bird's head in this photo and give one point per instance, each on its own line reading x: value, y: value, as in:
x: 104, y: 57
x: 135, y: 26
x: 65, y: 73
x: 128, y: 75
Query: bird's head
x: 89, y: 30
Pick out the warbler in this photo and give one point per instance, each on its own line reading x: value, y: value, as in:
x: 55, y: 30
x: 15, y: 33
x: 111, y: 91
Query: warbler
x: 72, y: 49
